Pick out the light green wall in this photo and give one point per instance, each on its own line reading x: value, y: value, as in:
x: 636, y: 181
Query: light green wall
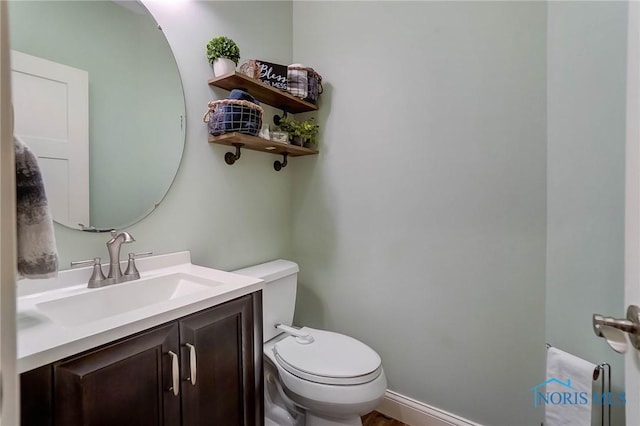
x: 135, y: 97
x: 228, y: 216
x: 420, y: 227
x: 586, y: 95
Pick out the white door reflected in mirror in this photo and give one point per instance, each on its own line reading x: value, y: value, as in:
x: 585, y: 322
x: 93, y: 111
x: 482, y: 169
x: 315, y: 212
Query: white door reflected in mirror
x: 51, y: 116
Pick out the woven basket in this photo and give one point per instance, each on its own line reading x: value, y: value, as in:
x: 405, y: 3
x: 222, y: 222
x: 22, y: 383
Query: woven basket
x: 304, y: 82
x: 233, y: 115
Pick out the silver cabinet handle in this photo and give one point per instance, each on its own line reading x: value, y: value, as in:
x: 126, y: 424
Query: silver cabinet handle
x: 175, y: 374
x: 192, y: 363
x: 630, y: 325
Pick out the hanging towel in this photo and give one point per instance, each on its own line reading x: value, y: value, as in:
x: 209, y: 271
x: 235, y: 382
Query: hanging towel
x: 572, y: 378
x: 37, y: 253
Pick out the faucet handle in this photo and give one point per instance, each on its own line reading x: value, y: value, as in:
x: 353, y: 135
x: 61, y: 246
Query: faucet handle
x: 97, y: 276
x: 131, y: 265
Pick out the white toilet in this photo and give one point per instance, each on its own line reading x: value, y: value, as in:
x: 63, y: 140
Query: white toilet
x: 312, y: 377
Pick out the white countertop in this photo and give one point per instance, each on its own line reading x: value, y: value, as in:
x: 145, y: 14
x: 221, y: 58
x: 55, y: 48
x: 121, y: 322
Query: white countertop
x: 42, y: 341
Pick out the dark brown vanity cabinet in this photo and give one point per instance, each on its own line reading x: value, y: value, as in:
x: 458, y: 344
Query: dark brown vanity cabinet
x: 223, y: 390
x: 203, y: 369
x: 124, y: 383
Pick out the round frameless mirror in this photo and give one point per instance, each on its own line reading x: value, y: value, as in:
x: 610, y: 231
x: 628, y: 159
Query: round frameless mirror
x: 97, y: 96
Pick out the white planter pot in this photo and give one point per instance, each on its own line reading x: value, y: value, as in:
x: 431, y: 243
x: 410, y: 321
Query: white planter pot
x: 223, y: 66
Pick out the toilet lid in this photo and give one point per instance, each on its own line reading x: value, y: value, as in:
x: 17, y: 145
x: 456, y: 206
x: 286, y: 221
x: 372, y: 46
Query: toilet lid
x: 332, y: 358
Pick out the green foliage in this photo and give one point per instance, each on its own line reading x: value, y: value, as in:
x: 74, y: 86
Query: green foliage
x: 306, y: 130
x: 222, y: 47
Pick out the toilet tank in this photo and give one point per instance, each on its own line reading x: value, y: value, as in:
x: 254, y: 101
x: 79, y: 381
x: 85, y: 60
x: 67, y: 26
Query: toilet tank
x: 279, y: 294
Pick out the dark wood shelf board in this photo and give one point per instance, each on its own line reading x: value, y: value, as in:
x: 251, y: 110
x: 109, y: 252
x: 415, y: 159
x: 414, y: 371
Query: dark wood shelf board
x: 258, y: 144
x: 263, y: 92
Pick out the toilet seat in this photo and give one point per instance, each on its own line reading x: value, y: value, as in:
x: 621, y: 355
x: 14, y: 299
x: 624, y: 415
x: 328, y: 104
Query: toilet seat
x: 332, y: 358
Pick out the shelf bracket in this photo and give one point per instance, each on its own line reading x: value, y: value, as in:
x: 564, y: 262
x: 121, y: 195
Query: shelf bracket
x: 281, y: 165
x: 277, y: 118
x: 230, y: 158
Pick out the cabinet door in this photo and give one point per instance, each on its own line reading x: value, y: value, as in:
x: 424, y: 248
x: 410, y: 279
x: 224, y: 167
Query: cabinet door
x: 36, y: 398
x: 125, y: 383
x: 226, y: 392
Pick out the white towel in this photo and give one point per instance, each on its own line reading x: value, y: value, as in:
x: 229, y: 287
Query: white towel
x: 572, y: 378
x: 37, y: 253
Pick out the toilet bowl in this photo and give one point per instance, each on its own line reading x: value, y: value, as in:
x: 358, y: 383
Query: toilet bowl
x: 312, y: 377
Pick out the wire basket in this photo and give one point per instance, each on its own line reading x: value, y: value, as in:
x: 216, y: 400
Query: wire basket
x: 233, y: 115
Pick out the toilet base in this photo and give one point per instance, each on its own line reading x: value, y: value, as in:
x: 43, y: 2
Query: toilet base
x: 313, y: 420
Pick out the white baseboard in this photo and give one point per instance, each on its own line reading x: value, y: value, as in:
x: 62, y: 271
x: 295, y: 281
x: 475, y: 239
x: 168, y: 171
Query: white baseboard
x: 416, y: 413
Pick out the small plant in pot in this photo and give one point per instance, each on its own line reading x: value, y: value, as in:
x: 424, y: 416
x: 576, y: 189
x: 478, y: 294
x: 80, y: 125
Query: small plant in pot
x: 300, y: 132
x: 224, y: 54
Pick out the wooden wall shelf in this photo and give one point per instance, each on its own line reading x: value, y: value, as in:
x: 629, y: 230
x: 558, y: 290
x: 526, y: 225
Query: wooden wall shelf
x: 268, y: 95
x: 258, y: 144
x: 240, y: 140
x: 263, y: 92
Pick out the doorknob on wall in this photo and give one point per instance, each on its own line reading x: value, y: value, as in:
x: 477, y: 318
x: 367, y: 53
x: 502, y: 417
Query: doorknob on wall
x: 606, y: 326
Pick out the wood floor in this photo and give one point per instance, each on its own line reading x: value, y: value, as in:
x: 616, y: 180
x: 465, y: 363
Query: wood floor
x: 377, y: 419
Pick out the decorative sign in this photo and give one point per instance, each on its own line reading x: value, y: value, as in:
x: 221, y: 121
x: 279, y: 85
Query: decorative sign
x: 273, y: 74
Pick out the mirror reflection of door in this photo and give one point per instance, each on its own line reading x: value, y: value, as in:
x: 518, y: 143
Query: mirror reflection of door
x: 51, y: 116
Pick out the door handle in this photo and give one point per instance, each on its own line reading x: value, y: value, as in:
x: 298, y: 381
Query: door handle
x: 175, y: 374
x: 192, y: 363
x: 630, y: 325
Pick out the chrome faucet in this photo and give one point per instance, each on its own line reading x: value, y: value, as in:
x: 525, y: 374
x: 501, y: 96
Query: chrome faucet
x: 113, y: 246
x: 115, y: 273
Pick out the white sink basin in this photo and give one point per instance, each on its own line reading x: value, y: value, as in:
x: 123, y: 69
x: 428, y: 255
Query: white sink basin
x: 105, y: 302
x: 59, y: 317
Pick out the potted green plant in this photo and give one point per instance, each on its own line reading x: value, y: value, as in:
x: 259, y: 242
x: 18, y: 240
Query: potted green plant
x: 308, y: 130
x: 300, y: 132
x: 223, y: 54
x: 290, y: 126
